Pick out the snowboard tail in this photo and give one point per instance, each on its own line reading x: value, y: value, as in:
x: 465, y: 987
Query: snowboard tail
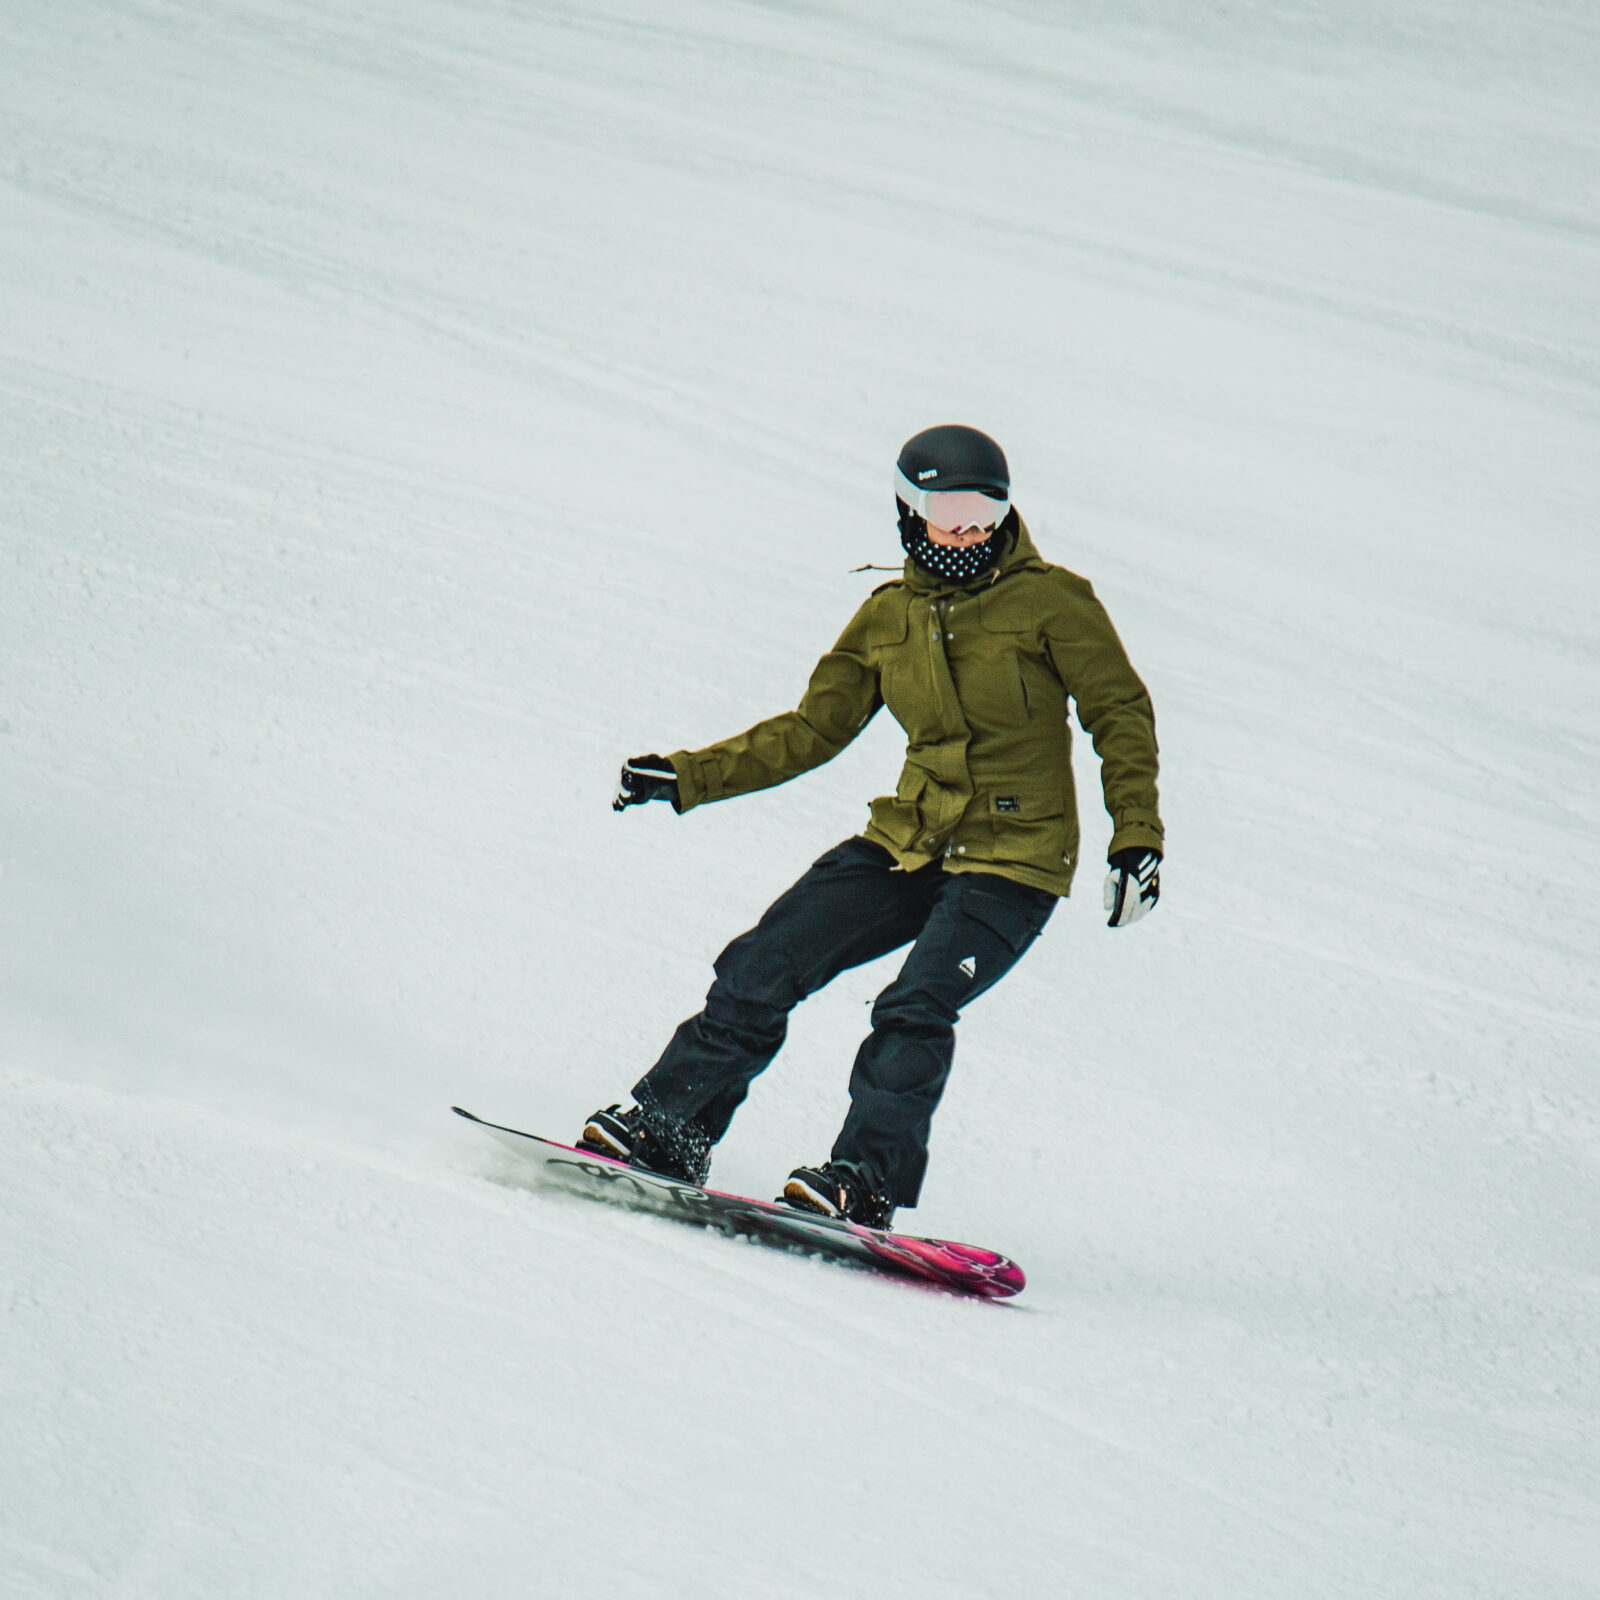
x: 964, y: 1268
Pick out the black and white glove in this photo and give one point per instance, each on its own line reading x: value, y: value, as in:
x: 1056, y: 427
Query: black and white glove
x: 646, y: 778
x: 1133, y: 885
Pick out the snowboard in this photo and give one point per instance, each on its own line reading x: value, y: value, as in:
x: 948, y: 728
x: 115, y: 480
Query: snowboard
x: 963, y: 1268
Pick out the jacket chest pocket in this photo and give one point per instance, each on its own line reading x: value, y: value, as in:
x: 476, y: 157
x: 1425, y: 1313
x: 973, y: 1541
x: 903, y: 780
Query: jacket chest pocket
x: 1005, y: 677
x: 906, y: 675
x: 1043, y: 698
x: 887, y: 628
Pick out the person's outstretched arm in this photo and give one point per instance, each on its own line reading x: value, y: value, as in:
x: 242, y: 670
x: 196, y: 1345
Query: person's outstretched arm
x: 838, y: 703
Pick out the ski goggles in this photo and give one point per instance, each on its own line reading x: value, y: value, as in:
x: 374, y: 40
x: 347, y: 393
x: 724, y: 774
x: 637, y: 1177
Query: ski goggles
x: 951, y: 510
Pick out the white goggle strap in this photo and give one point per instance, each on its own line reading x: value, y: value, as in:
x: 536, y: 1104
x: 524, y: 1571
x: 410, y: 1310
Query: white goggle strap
x: 909, y: 494
x: 917, y: 498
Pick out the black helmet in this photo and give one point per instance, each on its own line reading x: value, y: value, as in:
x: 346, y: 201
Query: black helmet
x: 954, y: 457
x: 964, y: 472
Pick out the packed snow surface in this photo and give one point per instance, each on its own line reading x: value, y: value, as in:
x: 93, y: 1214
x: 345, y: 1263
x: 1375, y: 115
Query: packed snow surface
x: 409, y: 411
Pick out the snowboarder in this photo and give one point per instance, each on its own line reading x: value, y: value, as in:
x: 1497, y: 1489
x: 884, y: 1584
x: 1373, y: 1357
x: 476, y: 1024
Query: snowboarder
x: 975, y: 650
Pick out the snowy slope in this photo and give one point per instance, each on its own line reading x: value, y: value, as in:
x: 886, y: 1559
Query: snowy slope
x: 407, y: 412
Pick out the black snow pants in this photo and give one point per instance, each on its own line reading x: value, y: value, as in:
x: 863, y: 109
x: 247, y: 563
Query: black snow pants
x: 852, y: 906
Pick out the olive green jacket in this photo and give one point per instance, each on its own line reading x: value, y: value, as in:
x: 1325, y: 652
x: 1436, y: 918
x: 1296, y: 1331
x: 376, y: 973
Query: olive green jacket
x: 979, y: 676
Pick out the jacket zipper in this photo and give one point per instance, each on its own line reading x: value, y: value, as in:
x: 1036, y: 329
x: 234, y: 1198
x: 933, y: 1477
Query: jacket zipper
x: 1027, y: 703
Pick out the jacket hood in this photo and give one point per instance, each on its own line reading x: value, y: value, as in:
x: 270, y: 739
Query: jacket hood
x: 1021, y: 554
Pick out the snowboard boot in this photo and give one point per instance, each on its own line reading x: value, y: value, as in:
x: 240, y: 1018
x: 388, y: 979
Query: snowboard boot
x: 677, y: 1150
x: 611, y: 1133
x: 838, y: 1189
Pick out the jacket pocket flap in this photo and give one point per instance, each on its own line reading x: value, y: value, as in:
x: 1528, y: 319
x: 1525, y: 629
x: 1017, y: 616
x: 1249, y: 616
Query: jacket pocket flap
x: 1025, y: 801
x: 1006, y: 608
x: 888, y: 623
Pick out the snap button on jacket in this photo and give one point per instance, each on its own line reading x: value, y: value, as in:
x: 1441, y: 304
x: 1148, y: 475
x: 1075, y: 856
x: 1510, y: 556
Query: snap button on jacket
x: 979, y: 677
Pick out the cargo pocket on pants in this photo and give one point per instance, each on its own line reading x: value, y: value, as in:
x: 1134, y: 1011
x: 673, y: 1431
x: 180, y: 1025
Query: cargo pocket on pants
x: 1016, y: 913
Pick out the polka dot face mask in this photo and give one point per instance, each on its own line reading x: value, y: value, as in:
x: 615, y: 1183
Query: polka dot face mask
x: 952, y: 562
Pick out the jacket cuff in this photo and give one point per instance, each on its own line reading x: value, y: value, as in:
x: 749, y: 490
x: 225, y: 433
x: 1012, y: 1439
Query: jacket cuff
x: 699, y: 778
x: 1136, y: 832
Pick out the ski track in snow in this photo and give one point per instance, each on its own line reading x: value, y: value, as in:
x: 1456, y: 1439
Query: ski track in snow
x: 405, y: 417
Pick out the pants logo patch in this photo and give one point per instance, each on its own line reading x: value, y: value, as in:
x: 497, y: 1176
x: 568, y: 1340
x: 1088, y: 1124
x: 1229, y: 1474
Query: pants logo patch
x: 970, y: 966
x: 1008, y: 802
